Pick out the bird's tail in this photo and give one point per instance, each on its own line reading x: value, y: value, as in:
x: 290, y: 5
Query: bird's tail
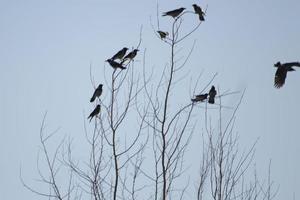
x: 123, y: 67
x: 164, y: 14
x: 90, y: 117
x: 92, y: 99
x: 194, y: 100
x: 201, y: 18
x: 211, y: 100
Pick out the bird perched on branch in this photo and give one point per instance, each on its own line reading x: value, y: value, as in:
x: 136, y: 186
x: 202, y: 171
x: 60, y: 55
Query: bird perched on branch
x: 162, y: 34
x: 95, y: 112
x: 199, y: 11
x: 120, y: 54
x: 114, y: 64
x: 200, y: 97
x: 174, y: 13
x: 97, y: 93
x: 130, y: 55
x: 281, y: 72
x: 212, y: 94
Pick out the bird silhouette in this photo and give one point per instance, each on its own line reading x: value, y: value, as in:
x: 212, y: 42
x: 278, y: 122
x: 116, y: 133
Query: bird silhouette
x: 281, y: 72
x: 120, y: 54
x: 95, y: 112
x: 162, y: 34
x: 97, y: 93
x: 130, y: 55
x: 174, y: 13
x: 199, y: 11
x: 114, y: 64
x: 200, y: 97
x: 212, y: 94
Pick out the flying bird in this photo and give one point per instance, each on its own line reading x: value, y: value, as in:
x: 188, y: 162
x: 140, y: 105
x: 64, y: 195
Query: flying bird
x: 114, y: 64
x: 281, y: 72
x: 130, y: 55
x: 200, y: 97
x: 212, y: 94
x: 199, y: 11
x: 120, y: 54
x: 97, y: 93
x: 174, y: 13
x: 95, y: 112
x: 162, y: 34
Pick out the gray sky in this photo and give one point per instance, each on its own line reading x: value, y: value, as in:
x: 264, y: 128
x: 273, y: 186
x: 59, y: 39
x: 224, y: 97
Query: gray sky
x: 47, y: 47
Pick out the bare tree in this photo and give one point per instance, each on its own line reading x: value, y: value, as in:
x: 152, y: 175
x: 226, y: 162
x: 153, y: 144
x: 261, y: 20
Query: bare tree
x: 171, y: 129
x: 225, y: 165
x: 162, y: 130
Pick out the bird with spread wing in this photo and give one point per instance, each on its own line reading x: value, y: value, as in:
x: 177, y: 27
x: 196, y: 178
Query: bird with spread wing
x: 281, y: 72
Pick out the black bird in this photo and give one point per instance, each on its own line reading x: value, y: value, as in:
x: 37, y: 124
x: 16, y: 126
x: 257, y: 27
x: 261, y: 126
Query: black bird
x: 97, y: 93
x: 212, y: 94
x: 199, y: 11
x: 281, y: 72
x: 130, y: 55
x: 95, y: 112
x: 114, y: 64
x: 163, y: 34
x: 120, y: 54
x: 174, y: 13
x: 200, y: 97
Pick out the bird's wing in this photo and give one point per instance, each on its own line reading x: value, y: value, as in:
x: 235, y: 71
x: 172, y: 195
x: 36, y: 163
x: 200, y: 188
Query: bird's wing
x: 128, y: 56
x: 212, y: 93
x: 172, y: 12
x: 280, y: 77
x: 292, y: 64
x: 118, y: 54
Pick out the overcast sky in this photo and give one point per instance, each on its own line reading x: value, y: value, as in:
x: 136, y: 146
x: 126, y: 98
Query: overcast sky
x: 46, y: 48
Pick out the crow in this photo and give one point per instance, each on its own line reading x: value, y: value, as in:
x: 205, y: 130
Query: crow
x: 174, y: 13
x: 120, y: 54
x: 114, y: 64
x: 200, y: 97
x: 162, y: 34
x: 95, y: 112
x: 97, y: 93
x: 130, y: 55
x: 281, y: 72
x: 212, y: 94
x: 199, y: 11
